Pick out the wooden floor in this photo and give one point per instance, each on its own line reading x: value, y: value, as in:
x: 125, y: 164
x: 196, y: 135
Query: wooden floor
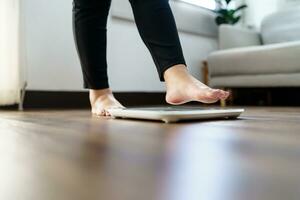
x: 69, y: 155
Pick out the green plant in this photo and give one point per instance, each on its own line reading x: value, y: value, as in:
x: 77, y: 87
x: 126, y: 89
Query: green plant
x: 227, y: 15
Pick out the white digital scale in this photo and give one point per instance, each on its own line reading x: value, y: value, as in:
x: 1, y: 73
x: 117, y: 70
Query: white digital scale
x: 173, y: 114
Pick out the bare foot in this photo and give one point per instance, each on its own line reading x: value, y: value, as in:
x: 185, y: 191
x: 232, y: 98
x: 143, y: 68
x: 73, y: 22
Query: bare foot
x: 183, y: 87
x: 102, y: 100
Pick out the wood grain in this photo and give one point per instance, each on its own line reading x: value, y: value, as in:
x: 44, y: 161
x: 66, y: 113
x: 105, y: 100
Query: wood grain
x: 69, y: 155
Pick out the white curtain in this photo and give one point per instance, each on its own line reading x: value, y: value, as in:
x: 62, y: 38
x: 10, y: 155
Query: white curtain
x: 9, y: 52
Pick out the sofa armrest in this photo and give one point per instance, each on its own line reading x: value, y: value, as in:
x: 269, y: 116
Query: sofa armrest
x: 281, y: 58
x: 233, y: 37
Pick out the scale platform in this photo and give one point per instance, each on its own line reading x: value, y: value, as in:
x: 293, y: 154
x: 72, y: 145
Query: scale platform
x: 173, y: 114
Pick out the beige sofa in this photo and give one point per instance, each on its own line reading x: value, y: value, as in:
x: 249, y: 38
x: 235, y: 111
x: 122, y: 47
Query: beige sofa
x: 269, y: 58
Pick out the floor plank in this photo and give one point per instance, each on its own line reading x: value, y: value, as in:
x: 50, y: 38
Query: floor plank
x: 69, y: 155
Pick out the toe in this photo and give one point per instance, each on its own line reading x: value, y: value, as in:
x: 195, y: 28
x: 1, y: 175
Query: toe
x: 107, y: 114
x: 215, y: 93
x: 226, y: 95
x: 223, y: 94
x: 101, y: 112
x: 210, y: 96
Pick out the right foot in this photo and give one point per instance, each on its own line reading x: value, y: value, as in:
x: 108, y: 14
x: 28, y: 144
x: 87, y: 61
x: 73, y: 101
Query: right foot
x: 102, y: 101
x: 183, y: 87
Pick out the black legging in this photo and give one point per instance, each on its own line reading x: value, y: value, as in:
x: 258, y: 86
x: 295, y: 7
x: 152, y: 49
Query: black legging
x: 156, y: 26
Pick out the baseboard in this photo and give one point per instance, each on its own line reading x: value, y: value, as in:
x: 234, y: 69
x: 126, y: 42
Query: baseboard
x: 58, y: 99
x: 78, y: 100
x: 279, y: 96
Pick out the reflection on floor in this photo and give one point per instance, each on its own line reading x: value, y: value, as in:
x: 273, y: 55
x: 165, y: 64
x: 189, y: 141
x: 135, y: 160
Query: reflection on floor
x: 69, y: 155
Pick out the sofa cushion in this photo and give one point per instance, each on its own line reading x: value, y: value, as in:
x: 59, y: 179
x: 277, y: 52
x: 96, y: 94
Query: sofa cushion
x: 234, y: 36
x: 281, y: 26
x: 269, y: 59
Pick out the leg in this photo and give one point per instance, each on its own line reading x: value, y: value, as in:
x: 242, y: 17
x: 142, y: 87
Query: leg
x: 89, y: 25
x: 158, y: 30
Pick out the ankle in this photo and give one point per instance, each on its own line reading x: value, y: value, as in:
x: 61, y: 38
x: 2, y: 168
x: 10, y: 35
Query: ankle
x: 99, y: 94
x: 175, y: 71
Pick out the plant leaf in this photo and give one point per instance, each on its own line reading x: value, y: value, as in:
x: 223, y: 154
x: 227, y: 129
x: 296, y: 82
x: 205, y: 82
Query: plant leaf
x: 228, y: 1
x: 222, y: 12
x: 231, y: 12
x: 221, y: 20
x: 240, y: 8
x: 236, y: 20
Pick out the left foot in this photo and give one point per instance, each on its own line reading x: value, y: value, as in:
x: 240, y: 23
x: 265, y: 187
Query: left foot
x: 102, y: 101
x: 183, y: 87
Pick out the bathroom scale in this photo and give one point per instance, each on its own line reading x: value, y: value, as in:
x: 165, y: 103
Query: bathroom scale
x: 175, y: 113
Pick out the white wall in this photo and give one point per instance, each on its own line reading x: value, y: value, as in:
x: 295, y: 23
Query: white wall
x: 258, y: 9
x: 51, y: 58
x: 52, y: 62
